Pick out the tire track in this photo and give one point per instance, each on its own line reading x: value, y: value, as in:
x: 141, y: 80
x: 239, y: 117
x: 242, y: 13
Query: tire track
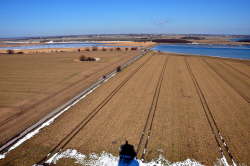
x: 221, y: 143
x: 61, y: 145
x: 29, y: 108
x: 223, y: 78
x: 236, y: 69
x: 144, y: 139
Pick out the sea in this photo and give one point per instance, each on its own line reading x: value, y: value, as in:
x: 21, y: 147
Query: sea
x: 225, y: 51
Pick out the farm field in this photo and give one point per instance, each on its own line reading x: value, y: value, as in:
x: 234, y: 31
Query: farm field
x: 180, y: 107
x: 31, y: 85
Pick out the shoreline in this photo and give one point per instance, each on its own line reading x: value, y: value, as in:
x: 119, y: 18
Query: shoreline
x: 123, y: 45
x: 105, y: 43
x: 108, y: 47
x: 200, y: 55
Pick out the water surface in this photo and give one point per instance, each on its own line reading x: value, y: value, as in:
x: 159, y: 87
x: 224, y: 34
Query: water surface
x: 226, y: 51
x: 239, y: 39
x: 55, y: 45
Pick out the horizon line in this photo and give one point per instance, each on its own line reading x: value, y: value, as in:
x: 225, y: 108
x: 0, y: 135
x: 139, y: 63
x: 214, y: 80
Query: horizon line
x: 106, y: 34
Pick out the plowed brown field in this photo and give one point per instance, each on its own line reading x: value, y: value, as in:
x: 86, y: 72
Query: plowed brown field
x: 33, y: 85
x: 176, y: 106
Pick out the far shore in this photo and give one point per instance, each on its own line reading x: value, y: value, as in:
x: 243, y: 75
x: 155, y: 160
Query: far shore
x: 109, y: 47
x: 124, y: 46
x: 246, y: 61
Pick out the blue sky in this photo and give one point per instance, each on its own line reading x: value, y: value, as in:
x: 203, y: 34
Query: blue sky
x: 73, y: 17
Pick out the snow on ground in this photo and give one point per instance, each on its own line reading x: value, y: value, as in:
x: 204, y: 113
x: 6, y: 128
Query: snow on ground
x: 107, y: 159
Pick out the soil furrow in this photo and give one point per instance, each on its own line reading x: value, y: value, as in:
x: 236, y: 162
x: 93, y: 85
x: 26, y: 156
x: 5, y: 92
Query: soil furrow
x: 143, y: 143
x: 240, y: 85
x: 223, y: 147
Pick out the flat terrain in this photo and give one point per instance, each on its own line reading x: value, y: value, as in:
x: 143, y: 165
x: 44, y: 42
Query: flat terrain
x: 31, y: 85
x: 178, y: 106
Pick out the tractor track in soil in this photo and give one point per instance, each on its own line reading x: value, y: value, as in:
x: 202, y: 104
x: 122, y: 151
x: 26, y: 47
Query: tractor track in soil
x: 236, y: 69
x: 59, y: 147
x: 223, y: 147
x: 29, y: 108
x: 144, y: 139
x: 230, y: 84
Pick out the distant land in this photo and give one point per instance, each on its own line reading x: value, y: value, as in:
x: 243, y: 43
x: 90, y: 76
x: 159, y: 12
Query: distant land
x: 122, y: 37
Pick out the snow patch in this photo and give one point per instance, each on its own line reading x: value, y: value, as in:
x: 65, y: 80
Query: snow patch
x: 97, y: 59
x: 50, y: 42
x: 223, y: 162
x: 30, y: 135
x: 2, y: 156
x: 107, y: 159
